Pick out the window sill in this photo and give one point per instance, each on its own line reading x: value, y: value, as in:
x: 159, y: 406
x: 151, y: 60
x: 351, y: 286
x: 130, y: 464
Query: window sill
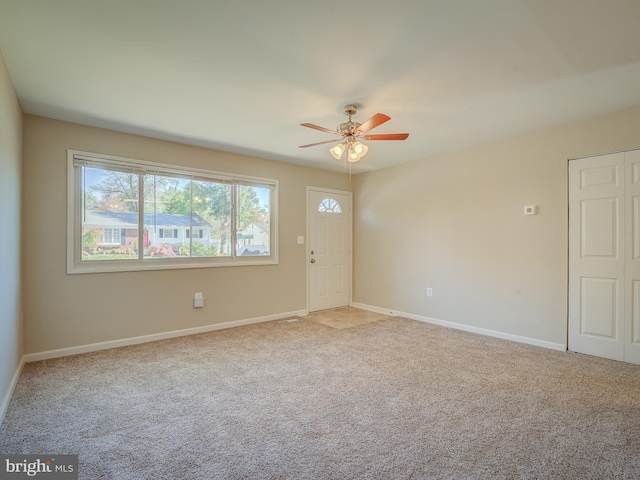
x: 113, y: 266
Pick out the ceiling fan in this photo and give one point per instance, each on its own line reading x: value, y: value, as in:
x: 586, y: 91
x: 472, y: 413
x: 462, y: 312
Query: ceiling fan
x: 351, y: 133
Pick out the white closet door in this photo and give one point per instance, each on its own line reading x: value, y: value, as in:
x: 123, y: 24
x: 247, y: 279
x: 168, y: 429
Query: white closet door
x: 632, y: 254
x: 596, y: 256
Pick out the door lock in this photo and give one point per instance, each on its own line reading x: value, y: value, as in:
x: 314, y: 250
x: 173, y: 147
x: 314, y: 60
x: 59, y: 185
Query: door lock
x: 313, y: 260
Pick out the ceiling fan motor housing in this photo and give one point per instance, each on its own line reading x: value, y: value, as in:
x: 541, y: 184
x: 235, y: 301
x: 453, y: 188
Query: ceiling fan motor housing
x: 348, y: 127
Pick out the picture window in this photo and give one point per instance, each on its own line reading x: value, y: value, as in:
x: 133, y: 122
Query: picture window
x: 126, y: 214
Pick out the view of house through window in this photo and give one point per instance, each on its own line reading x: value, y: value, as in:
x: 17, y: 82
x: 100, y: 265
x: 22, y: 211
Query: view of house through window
x: 109, y: 215
x: 253, y: 231
x: 181, y: 216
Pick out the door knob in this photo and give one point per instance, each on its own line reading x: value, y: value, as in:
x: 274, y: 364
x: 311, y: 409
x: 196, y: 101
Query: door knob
x: 313, y: 260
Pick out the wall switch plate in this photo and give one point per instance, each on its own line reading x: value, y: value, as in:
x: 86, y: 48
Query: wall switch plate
x: 530, y: 209
x: 198, y: 300
x: 300, y: 240
x: 429, y: 292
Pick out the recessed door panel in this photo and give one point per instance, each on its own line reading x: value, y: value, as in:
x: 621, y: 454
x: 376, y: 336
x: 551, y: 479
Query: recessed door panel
x: 635, y: 227
x: 338, y: 275
x: 321, y: 274
x: 599, y: 227
x: 598, y: 309
x: 599, y: 176
x: 337, y: 243
x: 321, y: 240
x: 634, y: 334
x: 635, y: 167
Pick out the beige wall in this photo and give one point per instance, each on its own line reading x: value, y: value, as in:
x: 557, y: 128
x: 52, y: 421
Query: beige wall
x: 10, y: 171
x: 455, y: 222
x: 63, y: 310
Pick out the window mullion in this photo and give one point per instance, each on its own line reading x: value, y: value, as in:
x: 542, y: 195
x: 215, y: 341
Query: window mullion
x: 155, y: 210
x: 140, y: 217
x: 234, y: 212
x: 78, y: 222
x: 190, y: 218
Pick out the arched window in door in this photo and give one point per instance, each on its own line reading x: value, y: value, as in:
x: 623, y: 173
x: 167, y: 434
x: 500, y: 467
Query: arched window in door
x: 329, y: 205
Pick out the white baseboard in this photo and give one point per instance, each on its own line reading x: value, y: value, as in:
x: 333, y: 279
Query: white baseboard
x: 12, y: 387
x: 63, y: 352
x: 371, y: 308
x: 467, y: 328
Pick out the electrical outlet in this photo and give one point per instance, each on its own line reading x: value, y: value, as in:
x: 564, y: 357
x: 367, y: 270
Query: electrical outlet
x: 429, y: 292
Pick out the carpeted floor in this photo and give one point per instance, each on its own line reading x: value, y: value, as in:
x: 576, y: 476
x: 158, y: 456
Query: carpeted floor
x: 389, y: 399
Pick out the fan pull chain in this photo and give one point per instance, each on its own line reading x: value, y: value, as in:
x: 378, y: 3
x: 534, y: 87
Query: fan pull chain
x: 346, y: 155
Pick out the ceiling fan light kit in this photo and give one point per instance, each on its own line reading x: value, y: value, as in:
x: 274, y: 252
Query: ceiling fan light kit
x: 351, y: 133
x: 360, y: 148
x: 338, y: 150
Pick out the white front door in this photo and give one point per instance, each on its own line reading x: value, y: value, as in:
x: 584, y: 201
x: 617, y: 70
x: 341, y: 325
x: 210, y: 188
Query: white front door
x: 329, y: 252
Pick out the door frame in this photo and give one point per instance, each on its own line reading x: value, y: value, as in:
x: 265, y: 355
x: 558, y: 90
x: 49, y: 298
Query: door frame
x: 308, y: 241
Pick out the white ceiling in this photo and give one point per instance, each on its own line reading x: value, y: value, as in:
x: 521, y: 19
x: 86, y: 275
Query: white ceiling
x: 241, y: 75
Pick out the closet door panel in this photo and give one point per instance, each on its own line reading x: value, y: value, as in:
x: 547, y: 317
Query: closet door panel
x: 596, y: 256
x: 632, y: 258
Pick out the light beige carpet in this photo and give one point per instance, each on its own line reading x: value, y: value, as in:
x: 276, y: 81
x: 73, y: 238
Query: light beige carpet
x: 391, y: 399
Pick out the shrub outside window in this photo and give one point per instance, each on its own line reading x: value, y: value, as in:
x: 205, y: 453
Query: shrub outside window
x: 126, y: 214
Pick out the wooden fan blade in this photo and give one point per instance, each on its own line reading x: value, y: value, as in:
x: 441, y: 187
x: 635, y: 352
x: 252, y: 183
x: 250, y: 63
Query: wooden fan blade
x: 316, y: 127
x: 387, y: 136
x: 320, y: 143
x: 373, y: 122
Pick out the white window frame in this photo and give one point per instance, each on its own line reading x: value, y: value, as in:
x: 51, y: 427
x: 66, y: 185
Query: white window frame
x: 75, y: 264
